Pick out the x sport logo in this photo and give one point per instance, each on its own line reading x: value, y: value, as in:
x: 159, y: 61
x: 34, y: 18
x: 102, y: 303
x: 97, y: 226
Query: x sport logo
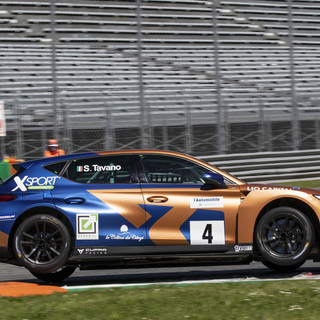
x: 34, y: 183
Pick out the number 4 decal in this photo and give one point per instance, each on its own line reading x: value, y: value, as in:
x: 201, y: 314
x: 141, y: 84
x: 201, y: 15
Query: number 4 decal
x: 207, y: 232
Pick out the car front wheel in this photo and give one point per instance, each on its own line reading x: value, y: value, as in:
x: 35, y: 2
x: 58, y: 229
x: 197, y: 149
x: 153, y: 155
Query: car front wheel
x: 284, y: 238
x: 42, y: 243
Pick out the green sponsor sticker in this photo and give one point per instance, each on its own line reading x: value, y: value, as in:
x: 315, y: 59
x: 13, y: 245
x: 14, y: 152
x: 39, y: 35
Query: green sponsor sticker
x: 40, y: 187
x: 89, y: 223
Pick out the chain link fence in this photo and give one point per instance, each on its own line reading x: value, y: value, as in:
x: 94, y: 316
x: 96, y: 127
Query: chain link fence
x: 104, y: 129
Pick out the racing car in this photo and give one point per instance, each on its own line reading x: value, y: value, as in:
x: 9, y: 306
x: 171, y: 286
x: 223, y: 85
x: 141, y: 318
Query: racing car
x: 121, y: 208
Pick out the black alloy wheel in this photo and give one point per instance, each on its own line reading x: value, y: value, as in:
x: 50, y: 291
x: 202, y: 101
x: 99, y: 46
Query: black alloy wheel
x: 42, y: 243
x: 284, y: 238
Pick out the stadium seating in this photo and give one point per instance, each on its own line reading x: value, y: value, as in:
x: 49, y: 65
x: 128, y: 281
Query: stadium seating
x: 166, y: 63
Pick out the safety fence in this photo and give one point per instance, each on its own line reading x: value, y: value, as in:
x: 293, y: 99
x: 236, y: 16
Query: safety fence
x: 197, y: 76
x: 271, y: 167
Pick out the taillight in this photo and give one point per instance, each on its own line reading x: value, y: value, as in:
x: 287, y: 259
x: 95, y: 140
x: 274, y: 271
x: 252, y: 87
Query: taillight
x: 7, y: 197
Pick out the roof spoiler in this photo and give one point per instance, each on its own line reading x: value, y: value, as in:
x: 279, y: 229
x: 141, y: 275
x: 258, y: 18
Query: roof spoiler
x: 24, y: 165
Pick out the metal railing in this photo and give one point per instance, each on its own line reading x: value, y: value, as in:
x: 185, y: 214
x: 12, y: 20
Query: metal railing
x: 270, y: 167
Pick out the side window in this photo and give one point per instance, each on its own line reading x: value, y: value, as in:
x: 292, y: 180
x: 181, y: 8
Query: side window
x: 166, y: 169
x: 100, y: 170
x: 56, y: 167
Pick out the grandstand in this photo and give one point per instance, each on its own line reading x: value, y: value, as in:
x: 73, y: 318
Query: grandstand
x: 203, y: 77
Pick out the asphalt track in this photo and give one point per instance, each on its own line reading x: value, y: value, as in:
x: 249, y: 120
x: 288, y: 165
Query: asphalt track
x: 137, y: 276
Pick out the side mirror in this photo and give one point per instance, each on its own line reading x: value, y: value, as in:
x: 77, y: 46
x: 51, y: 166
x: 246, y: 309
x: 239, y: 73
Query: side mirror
x: 213, y: 181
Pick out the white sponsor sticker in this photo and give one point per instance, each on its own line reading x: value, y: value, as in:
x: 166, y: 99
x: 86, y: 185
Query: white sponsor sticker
x: 206, y: 202
x: 124, y: 235
x: 97, y: 168
x: 207, y: 232
x: 87, y: 227
x: 266, y: 188
x: 243, y: 248
x: 32, y: 183
x: 8, y: 217
x: 93, y: 251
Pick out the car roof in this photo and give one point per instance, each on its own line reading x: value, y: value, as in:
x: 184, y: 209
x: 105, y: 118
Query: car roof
x: 49, y: 160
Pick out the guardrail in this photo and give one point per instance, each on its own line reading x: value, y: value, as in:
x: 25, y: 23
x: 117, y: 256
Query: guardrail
x: 270, y: 166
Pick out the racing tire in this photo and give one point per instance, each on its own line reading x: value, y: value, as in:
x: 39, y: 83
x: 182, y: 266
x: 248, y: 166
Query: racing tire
x: 282, y: 269
x: 57, y: 276
x: 42, y: 244
x: 284, y: 237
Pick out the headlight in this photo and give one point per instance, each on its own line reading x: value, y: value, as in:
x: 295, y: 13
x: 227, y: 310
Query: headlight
x: 317, y: 196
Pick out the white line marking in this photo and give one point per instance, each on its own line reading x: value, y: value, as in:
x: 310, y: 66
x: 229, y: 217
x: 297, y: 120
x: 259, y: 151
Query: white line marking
x: 302, y: 276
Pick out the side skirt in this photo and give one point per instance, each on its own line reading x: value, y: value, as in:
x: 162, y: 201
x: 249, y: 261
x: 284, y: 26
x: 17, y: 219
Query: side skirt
x: 151, y: 255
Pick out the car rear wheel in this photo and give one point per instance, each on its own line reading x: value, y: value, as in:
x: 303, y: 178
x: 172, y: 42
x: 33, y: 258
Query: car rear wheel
x: 284, y: 238
x: 57, y: 276
x: 42, y: 244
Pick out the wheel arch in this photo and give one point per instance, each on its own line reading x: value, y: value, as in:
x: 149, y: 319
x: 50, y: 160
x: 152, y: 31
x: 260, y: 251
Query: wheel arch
x: 40, y: 210
x: 293, y: 203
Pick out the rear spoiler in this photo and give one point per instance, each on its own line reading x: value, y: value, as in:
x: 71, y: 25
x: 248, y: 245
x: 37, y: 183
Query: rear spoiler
x: 24, y: 165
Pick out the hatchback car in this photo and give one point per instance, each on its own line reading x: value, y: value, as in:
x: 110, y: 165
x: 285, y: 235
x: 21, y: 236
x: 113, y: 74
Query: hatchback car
x: 96, y: 210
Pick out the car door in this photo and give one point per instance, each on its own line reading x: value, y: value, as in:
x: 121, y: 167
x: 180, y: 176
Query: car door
x: 180, y: 211
x: 101, y: 198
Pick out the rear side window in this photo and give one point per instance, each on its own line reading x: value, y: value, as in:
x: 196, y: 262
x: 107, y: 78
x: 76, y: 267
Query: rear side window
x: 100, y: 170
x: 56, y: 168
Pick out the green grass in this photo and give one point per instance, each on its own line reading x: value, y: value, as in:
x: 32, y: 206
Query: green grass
x: 255, y: 300
x: 302, y: 184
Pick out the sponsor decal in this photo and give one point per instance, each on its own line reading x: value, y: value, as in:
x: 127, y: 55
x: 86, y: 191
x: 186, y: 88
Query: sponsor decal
x: 207, y: 232
x: 8, y: 217
x: 92, y: 251
x: 34, y: 183
x: 206, y: 202
x: 243, y: 248
x: 97, y: 168
x: 40, y: 187
x: 124, y: 235
x: 271, y: 188
x: 87, y: 227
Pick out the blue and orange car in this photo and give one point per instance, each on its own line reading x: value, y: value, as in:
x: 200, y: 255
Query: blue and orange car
x: 114, y: 208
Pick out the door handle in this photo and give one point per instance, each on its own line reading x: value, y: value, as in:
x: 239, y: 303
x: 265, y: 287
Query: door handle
x: 74, y: 200
x: 157, y: 199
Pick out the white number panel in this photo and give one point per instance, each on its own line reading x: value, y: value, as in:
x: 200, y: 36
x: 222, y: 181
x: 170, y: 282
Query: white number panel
x: 207, y: 232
